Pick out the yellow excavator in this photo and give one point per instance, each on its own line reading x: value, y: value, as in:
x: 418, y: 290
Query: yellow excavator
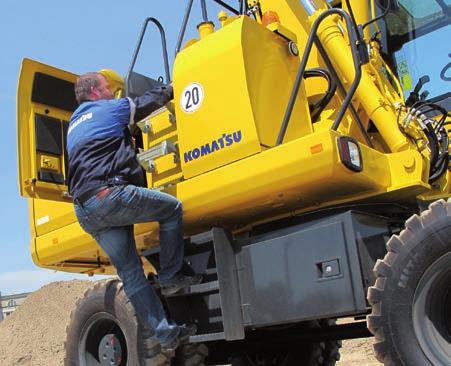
x: 308, y: 141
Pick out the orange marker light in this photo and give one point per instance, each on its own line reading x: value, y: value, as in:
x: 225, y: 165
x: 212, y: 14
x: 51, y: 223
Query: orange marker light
x: 315, y: 149
x: 270, y: 17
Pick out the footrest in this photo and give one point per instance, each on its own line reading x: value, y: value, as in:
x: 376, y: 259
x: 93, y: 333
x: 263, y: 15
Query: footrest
x: 198, y: 289
x: 198, y: 338
x: 147, y: 158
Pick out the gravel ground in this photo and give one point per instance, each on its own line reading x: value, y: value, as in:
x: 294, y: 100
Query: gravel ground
x: 34, y: 334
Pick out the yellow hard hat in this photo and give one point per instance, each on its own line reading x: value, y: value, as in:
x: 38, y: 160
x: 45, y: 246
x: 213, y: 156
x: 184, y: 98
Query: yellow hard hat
x: 116, y: 82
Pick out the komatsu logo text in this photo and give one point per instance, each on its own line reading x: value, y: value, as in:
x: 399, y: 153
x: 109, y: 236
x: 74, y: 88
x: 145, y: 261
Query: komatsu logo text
x: 226, y: 140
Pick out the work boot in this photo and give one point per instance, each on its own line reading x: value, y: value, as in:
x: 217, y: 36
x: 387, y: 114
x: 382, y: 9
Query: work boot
x: 185, y: 331
x: 180, y: 281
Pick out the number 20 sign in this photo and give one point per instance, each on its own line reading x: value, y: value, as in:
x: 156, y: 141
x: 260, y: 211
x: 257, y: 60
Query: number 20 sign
x: 192, y: 98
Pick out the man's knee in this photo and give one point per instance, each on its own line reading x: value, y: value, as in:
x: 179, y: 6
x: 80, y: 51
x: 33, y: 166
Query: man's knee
x: 179, y: 208
x: 173, y: 220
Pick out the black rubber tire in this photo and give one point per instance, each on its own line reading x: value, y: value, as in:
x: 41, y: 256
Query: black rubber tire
x: 102, y: 308
x: 308, y: 355
x: 331, y: 352
x: 411, y: 300
x: 190, y: 355
x: 314, y: 354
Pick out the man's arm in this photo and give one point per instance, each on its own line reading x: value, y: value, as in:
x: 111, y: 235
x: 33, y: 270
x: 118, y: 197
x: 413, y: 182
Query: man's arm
x: 150, y: 101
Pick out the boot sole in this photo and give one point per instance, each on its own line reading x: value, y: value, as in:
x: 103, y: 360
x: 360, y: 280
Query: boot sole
x: 173, y: 291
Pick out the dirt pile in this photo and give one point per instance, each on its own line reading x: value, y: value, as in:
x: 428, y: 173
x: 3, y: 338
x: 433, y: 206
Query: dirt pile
x: 34, y: 334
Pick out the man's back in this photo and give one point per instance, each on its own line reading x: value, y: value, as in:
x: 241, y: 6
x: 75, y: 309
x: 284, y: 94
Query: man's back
x: 100, y: 146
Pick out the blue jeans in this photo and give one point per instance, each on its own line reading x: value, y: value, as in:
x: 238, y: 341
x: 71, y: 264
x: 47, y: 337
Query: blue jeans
x: 110, y: 221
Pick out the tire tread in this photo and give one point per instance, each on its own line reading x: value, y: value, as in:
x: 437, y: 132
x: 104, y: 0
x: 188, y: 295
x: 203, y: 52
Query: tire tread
x: 399, y: 247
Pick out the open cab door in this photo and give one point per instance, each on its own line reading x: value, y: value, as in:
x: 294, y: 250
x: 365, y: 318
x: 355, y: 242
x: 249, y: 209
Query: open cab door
x: 45, y: 102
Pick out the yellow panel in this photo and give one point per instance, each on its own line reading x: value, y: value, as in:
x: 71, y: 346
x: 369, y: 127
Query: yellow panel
x: 302, y: 177
x: 67, y: 242
x: 283, y: 31
x: 27, y: 160
x: 222, y: 129
x: 166, y: 163
x: 166, y: 170
x: 271, y: 72
x: 51, y: 215
x: 240, y: 106
x: 155, y: 126
x: 293, y: 17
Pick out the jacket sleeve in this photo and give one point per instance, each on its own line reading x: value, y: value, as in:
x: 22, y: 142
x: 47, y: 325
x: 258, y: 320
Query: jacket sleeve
x: 150, y: 101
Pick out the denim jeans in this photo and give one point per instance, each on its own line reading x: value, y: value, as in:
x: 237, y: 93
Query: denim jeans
x: 110, y: 221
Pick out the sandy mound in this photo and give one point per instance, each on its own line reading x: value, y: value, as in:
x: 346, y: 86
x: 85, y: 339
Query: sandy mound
x: 34, y: 334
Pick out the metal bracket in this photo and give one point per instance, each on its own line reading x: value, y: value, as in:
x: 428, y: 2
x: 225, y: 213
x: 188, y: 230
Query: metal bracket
x: 228, y: 285
x: 147, y: 158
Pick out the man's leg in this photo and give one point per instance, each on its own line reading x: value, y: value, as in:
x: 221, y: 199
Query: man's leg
x: 119, y: 244
x: 144, y: 205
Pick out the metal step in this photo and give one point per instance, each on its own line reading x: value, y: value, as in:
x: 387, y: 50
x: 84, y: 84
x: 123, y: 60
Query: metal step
x: 147, y: 158
x: 198, y: 338
x: 211, y: 271
x: 202, y: 238
x: 198, y: 289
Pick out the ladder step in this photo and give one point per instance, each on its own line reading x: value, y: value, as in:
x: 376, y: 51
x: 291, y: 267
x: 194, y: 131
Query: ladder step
x: 147, y: 157
x: 211, y: 271
x: 206, y: 337
x: 202, y: 238
x: 198, y: 289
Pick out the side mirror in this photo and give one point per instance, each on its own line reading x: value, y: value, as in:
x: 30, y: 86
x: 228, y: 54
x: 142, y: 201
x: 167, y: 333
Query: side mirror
x: 392, y: 5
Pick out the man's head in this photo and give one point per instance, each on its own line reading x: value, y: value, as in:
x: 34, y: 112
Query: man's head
x: 92, y: 86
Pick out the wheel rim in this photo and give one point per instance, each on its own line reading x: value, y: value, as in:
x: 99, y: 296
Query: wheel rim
x: 431, y: 311
x: 102, y: 342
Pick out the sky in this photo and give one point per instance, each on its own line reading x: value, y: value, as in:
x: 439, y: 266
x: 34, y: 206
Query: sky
x: 76, y: 36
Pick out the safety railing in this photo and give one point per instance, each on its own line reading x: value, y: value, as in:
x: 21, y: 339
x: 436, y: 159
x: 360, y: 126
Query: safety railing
x: 313, y: 39
x: 138, y: 48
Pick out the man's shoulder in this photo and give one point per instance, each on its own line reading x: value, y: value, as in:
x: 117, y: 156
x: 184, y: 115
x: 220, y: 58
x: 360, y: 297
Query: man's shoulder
x: 111, y: 106
x: 101, y: 105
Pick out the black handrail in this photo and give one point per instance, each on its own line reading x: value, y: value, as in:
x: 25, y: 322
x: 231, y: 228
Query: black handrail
x: 342, y: 90
x: 203, y: 5
x: 184, y: 25
x: 138, y: 47
x: 243, y: 6
x: 303, y: 65
x: 204, y: 16
x: 228, y: 7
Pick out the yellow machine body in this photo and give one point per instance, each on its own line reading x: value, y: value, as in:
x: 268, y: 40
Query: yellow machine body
x: 232, y: 87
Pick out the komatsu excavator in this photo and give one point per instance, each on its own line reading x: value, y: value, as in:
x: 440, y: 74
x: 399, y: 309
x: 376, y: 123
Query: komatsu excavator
x: 308, y: 141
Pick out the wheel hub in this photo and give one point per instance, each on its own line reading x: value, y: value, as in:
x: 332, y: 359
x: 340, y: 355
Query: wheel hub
x: 102, y: 342
x: 110, y: 351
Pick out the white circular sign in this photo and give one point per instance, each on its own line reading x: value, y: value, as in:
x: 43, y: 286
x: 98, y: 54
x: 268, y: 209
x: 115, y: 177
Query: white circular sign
x: 192, y: 98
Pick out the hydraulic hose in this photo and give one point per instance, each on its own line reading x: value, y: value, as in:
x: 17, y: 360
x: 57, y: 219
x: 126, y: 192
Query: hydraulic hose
x: 318, y: 107
x: 434, y: 146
